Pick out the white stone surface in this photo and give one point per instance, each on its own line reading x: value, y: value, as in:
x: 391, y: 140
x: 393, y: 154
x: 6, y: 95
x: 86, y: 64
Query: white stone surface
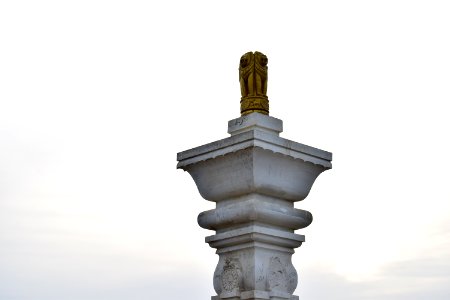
x: 254, y: 138
x: 254, y: 208
x: 254, y: 177
x: 255, y: 121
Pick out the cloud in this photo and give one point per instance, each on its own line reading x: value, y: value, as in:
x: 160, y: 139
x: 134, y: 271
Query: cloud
x: 423, y: 277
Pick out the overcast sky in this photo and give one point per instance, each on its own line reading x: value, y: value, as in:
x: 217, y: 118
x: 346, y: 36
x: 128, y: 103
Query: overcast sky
x: 97, y: 97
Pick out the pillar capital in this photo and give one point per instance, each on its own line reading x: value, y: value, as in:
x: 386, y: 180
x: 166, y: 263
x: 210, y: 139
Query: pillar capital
x: 254, y: 176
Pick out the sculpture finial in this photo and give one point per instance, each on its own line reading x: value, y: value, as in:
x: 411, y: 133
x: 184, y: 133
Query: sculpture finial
x: 253, y: 80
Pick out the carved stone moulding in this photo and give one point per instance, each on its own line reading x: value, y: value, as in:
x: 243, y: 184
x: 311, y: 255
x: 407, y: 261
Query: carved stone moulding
x: 255, y: 270
x: 259, y: 257
x: 254, y: 170
x: 250, y: 104
x: 254, y: 160
x: 254, y: 208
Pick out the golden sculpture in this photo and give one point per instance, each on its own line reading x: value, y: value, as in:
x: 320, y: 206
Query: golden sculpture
x: 253, y: 80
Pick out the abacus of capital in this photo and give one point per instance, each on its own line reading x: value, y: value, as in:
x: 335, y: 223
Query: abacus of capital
x: 254, y: 176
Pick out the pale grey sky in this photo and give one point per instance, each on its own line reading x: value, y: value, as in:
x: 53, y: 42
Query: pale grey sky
x: 97, y: 97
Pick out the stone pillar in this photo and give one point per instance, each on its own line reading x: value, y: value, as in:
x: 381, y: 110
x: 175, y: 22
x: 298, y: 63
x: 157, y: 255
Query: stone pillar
x: 254, y: 176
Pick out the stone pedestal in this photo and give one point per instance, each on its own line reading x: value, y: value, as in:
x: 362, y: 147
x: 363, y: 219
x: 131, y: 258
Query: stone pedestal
x: 254, y: 176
